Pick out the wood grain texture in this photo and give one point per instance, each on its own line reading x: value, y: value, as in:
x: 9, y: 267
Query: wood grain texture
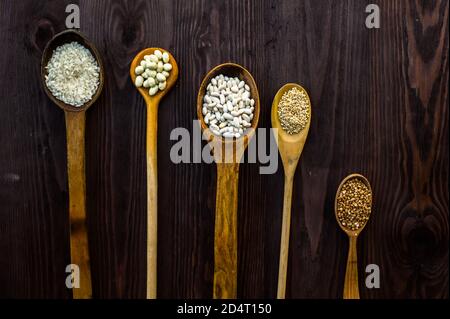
x: 351, y: 287
x: 380, y: 108
x: 225, y: 233
x: 76, y: 179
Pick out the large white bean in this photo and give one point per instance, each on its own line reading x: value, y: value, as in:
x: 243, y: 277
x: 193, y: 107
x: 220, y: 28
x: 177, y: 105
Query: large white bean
x: 139, y: 81
x: 162, y: 85
x: 153, y: 90
x: 167, y: 67
x: 158, y: 53
x: 165, y: 57
x: 160, y: 77
x: 139, y: 70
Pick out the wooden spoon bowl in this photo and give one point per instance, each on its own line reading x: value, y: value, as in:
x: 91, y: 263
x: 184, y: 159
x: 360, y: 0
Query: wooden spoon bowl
x: 232, y: 70
x: 75, y: 135
x: 351, y: 286
x: 225, y: 234
x: 170, y: 82
x: 289, y: 145
x: 59, y: 39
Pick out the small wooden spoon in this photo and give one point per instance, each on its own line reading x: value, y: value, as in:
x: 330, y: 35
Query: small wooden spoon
x: 152, y: 103
x: 290, y: 147
x: 225, y: 238
x: 75, y: 127
x: 351, y: 288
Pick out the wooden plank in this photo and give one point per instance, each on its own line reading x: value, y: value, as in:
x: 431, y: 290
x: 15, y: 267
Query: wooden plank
x: 380, y: 108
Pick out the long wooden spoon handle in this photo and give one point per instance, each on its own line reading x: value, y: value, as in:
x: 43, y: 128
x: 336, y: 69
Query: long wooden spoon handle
x: 79, y: 248
x: 285, y: 231
x: 351, y: 289
x: 225, y: 234
x: 152, y: 198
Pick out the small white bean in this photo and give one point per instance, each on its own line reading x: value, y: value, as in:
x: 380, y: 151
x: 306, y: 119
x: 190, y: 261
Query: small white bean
x: 167, y: 67
x: 162, y: 85
x: 139, y: 81
x: 160, y: 77
x: 151, y: 65
x: 139, y: 70
x: 165, y: 57
x: 246, y: 117
x: 158, y: 54
x: 165, y: 73
x: 227, y: 116
x: 228, y: 135
x: 146, y: 84
x: 151, y: 81
x: 204, y: 111
x: 160, y: 66
x: 153, y: 90
x: 153, y: 58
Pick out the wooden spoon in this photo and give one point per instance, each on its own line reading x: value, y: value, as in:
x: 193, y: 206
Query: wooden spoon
x: 75, y: 127
x: 351, y: 288
x: 290, y: 147
x: 225, y: 237
x: 152, y: 103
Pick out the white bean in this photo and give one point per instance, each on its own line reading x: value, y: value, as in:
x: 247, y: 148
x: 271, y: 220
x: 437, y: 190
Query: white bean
x: 160, y: 66
x: 146, y: 84
x: 160, y: 77
x: 139, y: 70
x: 158, y: 54
x: 153, y: 58
x: 228, y: 135
x: 153, y: 90
x: 139, y: 81
x: 162, y: 85
x: 151, y: 81
x: 167, y: 67
x: 165, y: 57
x: 227, y: 116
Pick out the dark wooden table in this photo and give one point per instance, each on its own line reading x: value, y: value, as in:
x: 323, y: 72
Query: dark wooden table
x: 380, y: 108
